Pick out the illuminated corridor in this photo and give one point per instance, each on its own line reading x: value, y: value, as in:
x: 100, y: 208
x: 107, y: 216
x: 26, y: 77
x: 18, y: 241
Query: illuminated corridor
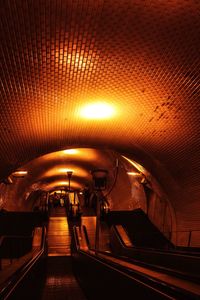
x: 106, y: 86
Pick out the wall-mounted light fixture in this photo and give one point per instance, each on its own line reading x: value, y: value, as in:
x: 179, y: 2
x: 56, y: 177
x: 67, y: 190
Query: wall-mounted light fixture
x: 20, y: 174
x: 136, y: 174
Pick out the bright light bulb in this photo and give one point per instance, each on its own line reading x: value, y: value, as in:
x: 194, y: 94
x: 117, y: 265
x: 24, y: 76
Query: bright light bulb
x: 97, y: 111
x: 70, y: 151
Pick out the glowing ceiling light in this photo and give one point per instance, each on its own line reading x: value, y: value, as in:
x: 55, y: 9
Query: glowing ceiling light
x: 97, y: 111
x: 70, y: 151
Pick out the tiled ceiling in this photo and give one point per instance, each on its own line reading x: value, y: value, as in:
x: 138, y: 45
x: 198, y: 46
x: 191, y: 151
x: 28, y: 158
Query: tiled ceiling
x: 141, y: 57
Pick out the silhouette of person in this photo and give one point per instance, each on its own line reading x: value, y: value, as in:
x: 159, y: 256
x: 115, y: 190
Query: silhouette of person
x: 56, y: 199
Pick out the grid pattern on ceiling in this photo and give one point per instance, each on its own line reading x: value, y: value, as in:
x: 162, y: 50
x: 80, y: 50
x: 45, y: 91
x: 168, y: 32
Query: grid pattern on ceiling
x: 143, y: 58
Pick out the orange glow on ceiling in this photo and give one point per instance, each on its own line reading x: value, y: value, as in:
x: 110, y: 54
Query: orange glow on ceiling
x: 65, y: 171
x: 98, y: 111
x: 76, y: 60
x: 77, y: 171
x: 63, y: 183
x: 86, y: 154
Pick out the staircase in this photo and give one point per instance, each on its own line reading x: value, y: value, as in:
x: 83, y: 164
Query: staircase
x: 58, y: 234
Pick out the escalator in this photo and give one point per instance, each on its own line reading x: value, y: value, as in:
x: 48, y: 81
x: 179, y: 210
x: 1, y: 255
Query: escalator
x: 60, y: 282
x: 183, y: 264
x: 68, y: 269
x: 51, y: 279
x: 49, y: 273
x: 154, y: 280
x: 141, y: 231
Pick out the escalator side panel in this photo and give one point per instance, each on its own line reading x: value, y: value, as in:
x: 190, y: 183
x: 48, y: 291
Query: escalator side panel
x: 51, y: 278
x: 99, y: 281
x: 177, y: 262
x: 31, y: 287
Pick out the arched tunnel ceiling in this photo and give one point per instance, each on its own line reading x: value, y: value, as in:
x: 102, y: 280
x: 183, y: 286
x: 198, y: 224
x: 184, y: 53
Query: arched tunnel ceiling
x: 49, y: 171
x: 142, y: 58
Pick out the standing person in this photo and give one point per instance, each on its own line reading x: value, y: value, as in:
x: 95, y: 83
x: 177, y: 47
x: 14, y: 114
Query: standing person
x: 86, y: 194
x: 62, y: 202
x: 56, y: 199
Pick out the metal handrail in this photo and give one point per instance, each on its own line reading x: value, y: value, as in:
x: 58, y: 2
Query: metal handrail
x: 77, y: 244
x: 152, y: 283
x: 144, y: 279
x: 147, y: 277
x: 11, y: 283
x: 86, y: 237
x: 171, y: 251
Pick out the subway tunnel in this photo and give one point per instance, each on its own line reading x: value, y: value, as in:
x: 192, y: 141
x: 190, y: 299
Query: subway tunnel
x: 101, y: 85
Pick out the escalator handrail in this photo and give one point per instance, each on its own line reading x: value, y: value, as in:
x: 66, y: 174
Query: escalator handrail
x: 116, y: 266
x: 7, y: 236
x: 143, y: 278
x: 86, y: 237
x: 156, y: 250
x: 111, y: 265
x: 75, y: 235
x: 16, y: 278
x: 158, y: 268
